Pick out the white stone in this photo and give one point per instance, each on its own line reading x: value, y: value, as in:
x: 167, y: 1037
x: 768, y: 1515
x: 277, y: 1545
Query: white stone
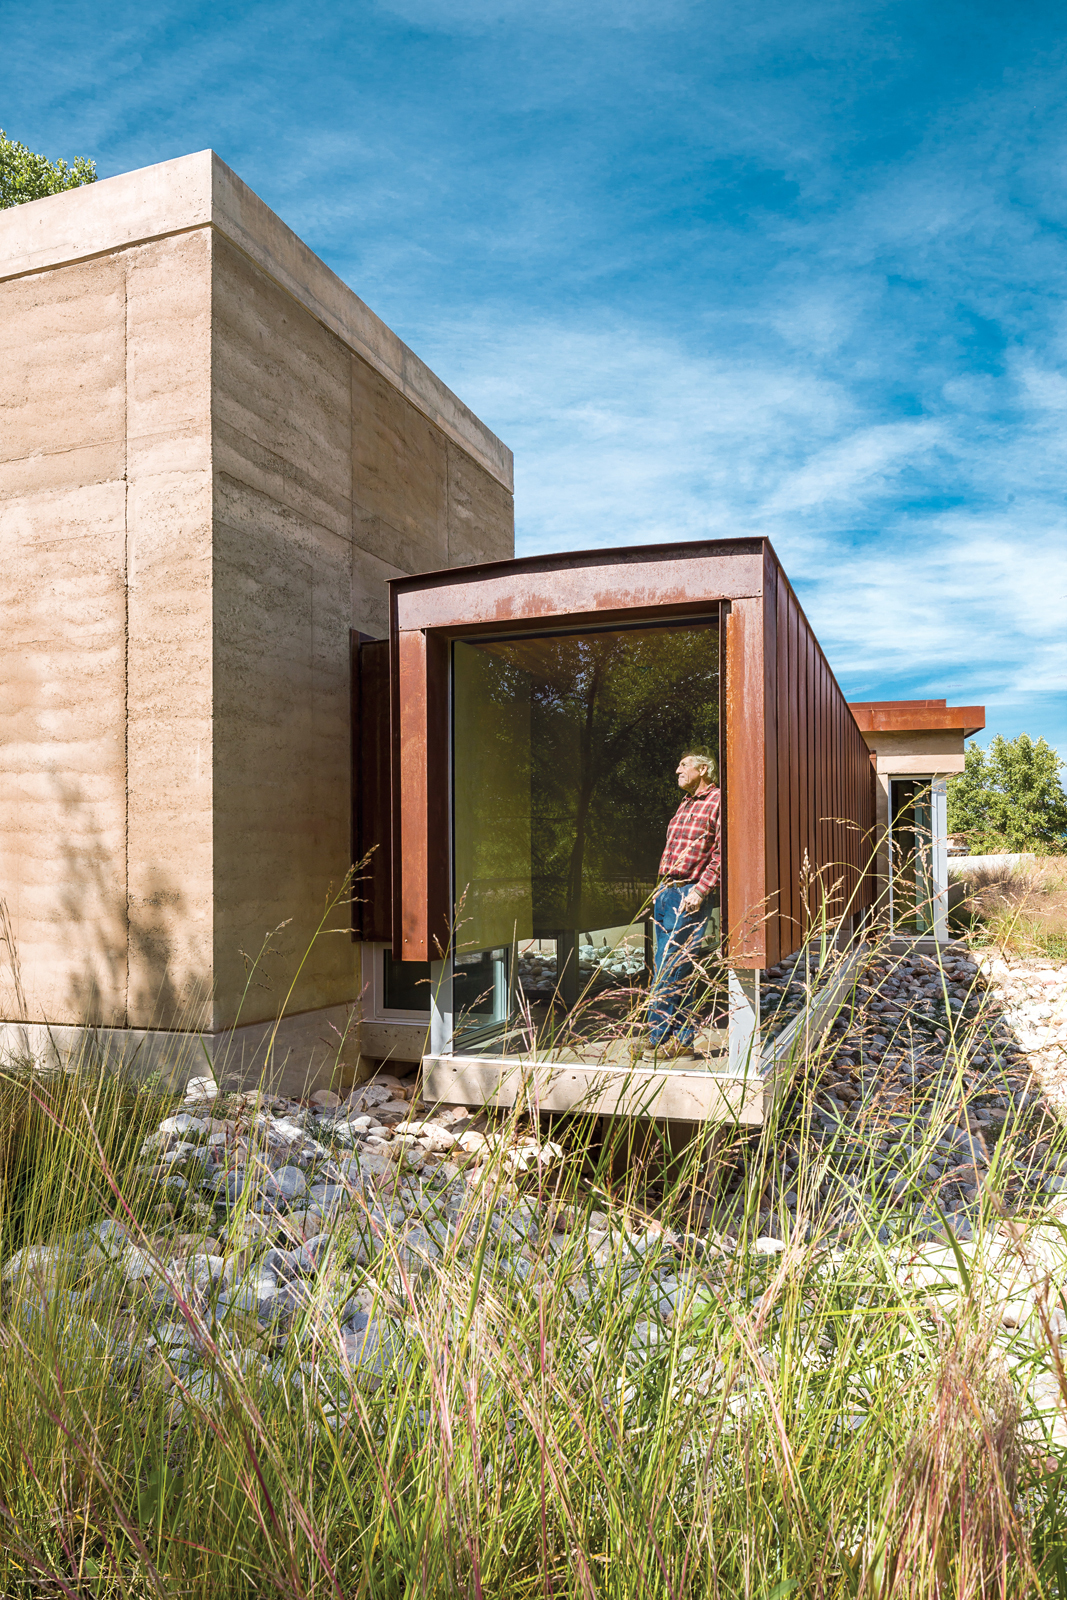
x: 37, y: 1260
x: 108, y: 1238
x: 1016, y: 1313
x: 205, y: 1388
x: 201, y: 1270
x: 438, y: 1139
x: 253, y: 1298
x: 137, y: 1264
x: 288, y: 1129
x: 183, y: 1122
x: 371, y: 1095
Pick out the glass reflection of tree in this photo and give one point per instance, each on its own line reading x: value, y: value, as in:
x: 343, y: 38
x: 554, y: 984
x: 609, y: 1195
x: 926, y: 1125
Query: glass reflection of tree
x: 912, y: 840
x: 610, y: 716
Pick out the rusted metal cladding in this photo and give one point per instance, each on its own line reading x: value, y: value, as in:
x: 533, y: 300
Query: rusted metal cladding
x: 639, y: 582
x: 429, y: 610
x: 820, y: 788
x: 422, y: 912
x: 797, y: 784
x: 744, y: 783
x: 372, y: 907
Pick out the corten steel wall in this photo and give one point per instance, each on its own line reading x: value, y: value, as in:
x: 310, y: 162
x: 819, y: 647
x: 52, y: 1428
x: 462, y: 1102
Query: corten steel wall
x: 820, y: 822
x: 372, y: 840
x: 799, y: 790
x: 213, y: 456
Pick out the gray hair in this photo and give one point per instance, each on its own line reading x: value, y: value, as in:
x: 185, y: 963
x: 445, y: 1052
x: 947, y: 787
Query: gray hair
x: 704, y: 759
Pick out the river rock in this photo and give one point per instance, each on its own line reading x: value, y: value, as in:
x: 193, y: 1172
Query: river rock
x: 289, y: 1182
x: 183, y: 1122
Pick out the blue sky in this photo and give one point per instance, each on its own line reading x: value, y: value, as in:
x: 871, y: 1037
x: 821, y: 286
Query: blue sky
x: 795, y: 269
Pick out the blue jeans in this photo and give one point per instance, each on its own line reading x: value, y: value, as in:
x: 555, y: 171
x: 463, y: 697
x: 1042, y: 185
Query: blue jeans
x: 678, y: 935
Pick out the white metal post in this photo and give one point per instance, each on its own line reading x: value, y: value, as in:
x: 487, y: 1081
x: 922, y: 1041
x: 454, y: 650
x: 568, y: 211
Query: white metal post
x: 441, y: 1007
x: 743, y: 1033
x: 939, y: 856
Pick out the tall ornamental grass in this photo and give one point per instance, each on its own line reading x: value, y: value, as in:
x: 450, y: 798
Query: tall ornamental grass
x: 596, y: 1403
x: 1022, y: 907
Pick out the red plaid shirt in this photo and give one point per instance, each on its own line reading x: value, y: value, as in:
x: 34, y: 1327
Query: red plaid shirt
x: 693, y: 850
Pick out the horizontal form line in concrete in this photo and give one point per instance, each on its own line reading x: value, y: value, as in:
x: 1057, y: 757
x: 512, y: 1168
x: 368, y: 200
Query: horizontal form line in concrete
x: 201, y: 191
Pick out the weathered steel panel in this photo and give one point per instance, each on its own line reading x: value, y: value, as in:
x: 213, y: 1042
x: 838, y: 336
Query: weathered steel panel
x: 798, y: 789
x: 581, y: 586
x: 746, y: 865
x: 372, y: 906
x: 910, y: 716
x: 784, y: 879
x: 824, y: 798
x: 421, y: 915
x: 770, y: 720
x: 791, y: 936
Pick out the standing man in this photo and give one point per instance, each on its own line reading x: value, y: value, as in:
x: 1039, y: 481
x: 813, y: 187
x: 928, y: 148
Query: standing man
x: 688, y: 875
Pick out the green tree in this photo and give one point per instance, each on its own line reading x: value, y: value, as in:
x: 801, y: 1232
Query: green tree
x: 1010, y: 797
x: 26, y: 176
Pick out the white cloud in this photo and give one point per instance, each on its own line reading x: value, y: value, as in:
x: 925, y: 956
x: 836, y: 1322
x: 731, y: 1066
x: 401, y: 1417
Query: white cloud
x: 622, y: 437
x: 857, y: 469
x: 793, y: 269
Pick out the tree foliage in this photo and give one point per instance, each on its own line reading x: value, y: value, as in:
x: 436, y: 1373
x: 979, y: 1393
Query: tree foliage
x: 1010, y: 797
x: 27, y: 176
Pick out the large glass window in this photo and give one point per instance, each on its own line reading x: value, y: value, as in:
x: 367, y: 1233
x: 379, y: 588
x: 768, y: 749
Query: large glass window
x: 565, y: 749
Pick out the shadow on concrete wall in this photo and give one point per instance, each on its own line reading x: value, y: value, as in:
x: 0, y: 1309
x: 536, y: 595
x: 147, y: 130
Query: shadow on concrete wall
x: 93, y: 963
x: 82, y: 963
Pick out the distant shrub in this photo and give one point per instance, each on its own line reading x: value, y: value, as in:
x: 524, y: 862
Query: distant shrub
x: 24, y: 175
x: 1010, y: 798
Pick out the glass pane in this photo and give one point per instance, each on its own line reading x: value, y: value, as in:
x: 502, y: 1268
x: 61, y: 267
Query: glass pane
x: 406, y: 985
x: 479, y: 993
x: 912, y: 833
x: 564, y: 759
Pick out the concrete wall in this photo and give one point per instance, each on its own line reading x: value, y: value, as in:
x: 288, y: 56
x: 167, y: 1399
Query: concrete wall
x: 105, y: 489
x: 922, y: 752
x: 212, y: 458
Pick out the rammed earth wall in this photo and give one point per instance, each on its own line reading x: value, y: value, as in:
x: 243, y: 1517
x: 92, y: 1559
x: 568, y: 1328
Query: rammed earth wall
x: 213, y: 457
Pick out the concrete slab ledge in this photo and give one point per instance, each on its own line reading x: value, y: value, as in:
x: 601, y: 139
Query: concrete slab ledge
x: 744, y: 1096
x: 301, y: 1056
x: 597, y: 1090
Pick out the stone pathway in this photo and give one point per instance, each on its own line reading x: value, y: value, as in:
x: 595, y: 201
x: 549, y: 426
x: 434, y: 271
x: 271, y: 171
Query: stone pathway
x: 1032, y: 995
x: 919, y: 1076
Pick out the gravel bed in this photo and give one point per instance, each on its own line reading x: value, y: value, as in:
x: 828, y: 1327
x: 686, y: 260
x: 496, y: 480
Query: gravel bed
x: 295, y: 1217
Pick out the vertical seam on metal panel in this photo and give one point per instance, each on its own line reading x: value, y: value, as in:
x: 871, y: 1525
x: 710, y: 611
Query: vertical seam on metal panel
x: 126, y: 619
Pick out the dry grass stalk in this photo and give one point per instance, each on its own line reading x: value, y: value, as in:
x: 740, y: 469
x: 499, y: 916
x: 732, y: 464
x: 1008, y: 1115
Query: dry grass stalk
x: 1023, y: 907
x: 948, y: 1523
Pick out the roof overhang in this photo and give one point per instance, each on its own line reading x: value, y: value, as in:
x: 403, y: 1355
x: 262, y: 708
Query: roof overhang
x: 916, y: 716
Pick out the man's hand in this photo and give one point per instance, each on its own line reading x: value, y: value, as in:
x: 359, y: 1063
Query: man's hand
x: 693, y: 901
